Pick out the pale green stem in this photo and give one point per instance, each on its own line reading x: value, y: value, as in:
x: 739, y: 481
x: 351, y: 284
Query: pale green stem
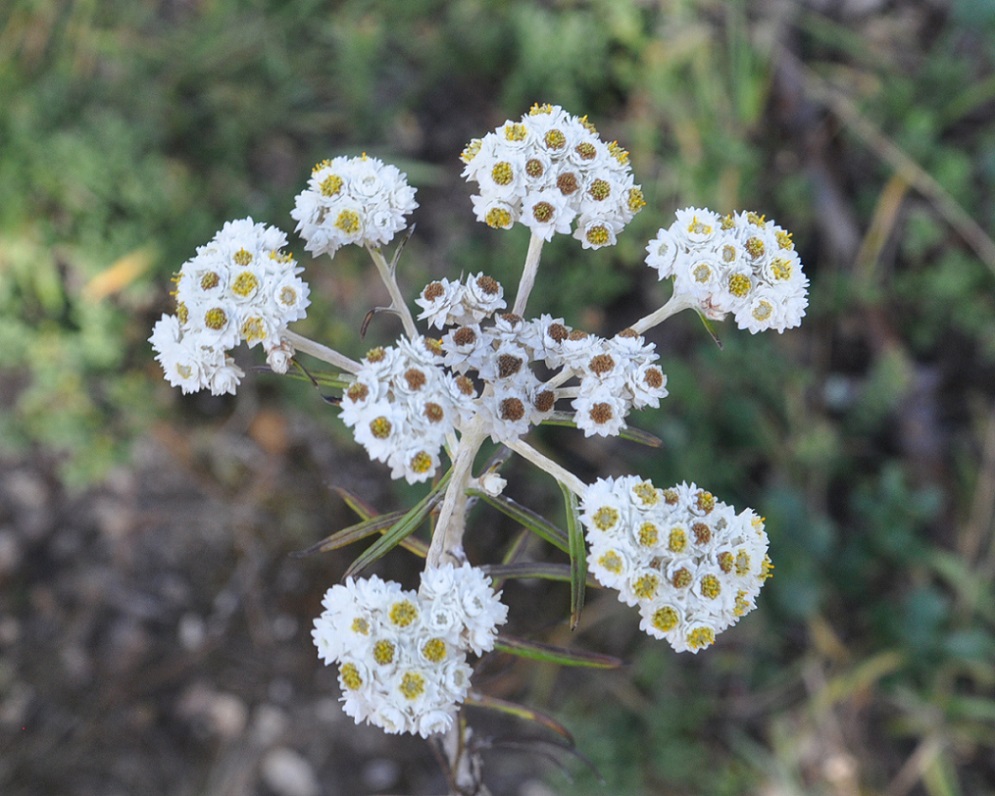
x: 319, y: 351
x: 543, y: 462
x: 447, y: 539
x: 529, y: 271
x: 672, y: 307
x: 397, y: 302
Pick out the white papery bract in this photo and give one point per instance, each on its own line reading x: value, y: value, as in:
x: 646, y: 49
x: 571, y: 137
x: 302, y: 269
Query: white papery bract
x: 357, y: 200
x: 240, y: 287
x: 549, y: 171
x: 690, y: 563
x: 740, y: 264
x: 402, y: 654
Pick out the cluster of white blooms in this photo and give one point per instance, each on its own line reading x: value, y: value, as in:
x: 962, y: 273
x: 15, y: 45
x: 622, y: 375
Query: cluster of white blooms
x: 551, y: 171
x: 239, y: 287
x: 615, y: 374
x: 402, y: 654
x: 445, y: 303
x: 352, y: 200
x: 739, y: 264
x: 691, y: 564
x: 402, y: 405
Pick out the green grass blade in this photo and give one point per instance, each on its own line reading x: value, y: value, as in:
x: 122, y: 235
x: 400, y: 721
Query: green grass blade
x: 528, y: 518
x: 547, y: 653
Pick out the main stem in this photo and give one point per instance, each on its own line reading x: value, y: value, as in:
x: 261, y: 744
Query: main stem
x: 447, y: 541
x: 529, y: 271
x: 397, y: 302
x: 319, y: 351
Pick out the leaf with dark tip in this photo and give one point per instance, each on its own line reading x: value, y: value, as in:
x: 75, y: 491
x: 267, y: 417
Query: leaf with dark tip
x: 353, y: 533
x: 547, y: 653
x: 526, y: 517
x: 476, y: 699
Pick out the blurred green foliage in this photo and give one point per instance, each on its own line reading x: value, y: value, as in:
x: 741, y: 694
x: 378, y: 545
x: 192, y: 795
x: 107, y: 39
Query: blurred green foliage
x: 130, y: 131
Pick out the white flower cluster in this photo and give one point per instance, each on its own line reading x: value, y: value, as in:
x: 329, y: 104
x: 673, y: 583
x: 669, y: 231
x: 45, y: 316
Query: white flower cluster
x: 402, y: 654
x: 402, y: 405
x: 549, y: 171
x: 739, y: 264
x: 239, y: 287
x: 445, y: 303
x: 691, y: 564
x: 615, y: 374
x: 352, y: 200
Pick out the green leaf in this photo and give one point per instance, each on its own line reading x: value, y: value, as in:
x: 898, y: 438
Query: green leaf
x: 534, y: 569
x: 565, y: 420
x: 400, y: 530
x: 356, y: 503
x: 353, y: 533
x: 528, y: 518
x: 547, y: 653
x: 578, y: 556
x: 479, y: 700
x: 710, y: 328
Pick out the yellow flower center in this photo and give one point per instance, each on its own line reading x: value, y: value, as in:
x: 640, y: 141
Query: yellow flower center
x: 331, y: 185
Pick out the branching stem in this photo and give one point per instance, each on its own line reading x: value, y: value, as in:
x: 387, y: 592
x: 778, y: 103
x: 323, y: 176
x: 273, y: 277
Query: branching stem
x: 319, y: 351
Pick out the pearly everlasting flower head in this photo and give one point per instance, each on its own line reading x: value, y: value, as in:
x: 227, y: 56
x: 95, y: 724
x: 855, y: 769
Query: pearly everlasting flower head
x: 402, y: 404
x: 240, y: 287
x: 357, y: 200
x: 402, y: 654
x: 739, y: 263
x: 551, y: 172
x: 691, y: 564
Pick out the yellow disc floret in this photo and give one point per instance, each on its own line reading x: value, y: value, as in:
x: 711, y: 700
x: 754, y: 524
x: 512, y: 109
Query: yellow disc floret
x: 434, y: 650
x: 701, y: 637
x: 348, y: 222
x: 412, y: 685
x: 605, y: 517
x: 350, y: 676
x: 403, y: 613
x: 665, y: 619
x: 383, y: 652
x: 245, y: 284
x: 331, y: 185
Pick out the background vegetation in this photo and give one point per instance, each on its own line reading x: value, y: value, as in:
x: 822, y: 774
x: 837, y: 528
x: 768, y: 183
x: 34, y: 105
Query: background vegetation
x: 129, y: 131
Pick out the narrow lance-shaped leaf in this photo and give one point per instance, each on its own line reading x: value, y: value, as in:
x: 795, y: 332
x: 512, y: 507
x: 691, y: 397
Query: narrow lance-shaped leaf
x: 356, y: 503
x: 401, y: 530
x: 476, y: 699
x: 547, y: 653
x: 710, y: 328
x: 353, y: 533
x: 578, y: 556
x: 565, y: 420
x: 528, y: 518
x: 534, y: 569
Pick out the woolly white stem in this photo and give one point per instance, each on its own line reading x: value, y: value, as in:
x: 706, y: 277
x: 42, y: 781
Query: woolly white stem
x: 529, y: 272
x: 397, y: 302
x: 447, y: 540
x: 672, y: 307
x: 543, y: 462
x: 319, y: 351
